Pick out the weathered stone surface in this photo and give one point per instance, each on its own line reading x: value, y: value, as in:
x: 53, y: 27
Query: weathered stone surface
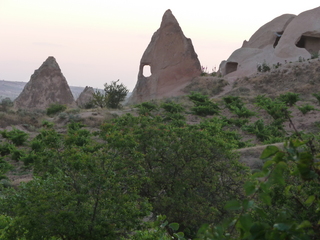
x: 172, y: 60
x: 284, y: 39
x: 85, y: 97
x: 46, y: 86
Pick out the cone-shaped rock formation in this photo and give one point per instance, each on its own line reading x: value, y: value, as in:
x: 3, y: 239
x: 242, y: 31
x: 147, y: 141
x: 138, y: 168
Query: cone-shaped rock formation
x: 85, y: 97
x: 172, y: 60
x: 46, y: 86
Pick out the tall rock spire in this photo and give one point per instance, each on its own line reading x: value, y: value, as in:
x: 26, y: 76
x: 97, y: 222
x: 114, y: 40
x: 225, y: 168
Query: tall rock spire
x: 172, y: 60
x: 46, y: 86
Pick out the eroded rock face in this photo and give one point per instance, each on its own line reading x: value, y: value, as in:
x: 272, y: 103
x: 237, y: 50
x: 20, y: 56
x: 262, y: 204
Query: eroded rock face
x: 286, y: 38
x: 172, y: 60
x: 46, y: 86
x: 85, y: 97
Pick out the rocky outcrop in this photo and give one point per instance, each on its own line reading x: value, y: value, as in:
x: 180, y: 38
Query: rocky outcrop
x: 85, y: 97
x: 172, y: 60
x: 286, y: 38
x: 47, y: 85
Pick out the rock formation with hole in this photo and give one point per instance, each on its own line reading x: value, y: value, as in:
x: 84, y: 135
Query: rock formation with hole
x: 173, y: 63
x: 47, y: 85
x: 287, y: 38
x: 85, y: 97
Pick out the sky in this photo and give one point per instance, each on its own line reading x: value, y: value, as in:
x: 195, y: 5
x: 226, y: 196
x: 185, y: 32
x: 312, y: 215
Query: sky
x: 99, y: 41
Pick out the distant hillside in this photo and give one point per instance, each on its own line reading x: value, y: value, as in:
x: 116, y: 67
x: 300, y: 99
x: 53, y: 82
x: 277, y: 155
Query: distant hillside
x: 13, y: 89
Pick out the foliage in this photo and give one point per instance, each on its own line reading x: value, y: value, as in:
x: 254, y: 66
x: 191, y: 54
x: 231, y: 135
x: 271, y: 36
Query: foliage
x: 282, y: 199
x: 4, y: 168
x: 186, y: 161
x: 233, y: 101
x: 172, y: 107
x: 265, y: 132
x: 6, y: 148
x: 159, y: 229
x: 115, y: 94
x: 5, y: 104
x: 112, y: 96
x: 203, y: 105
x: 263, y: 67
x: 275, y: 108
x: 16, y: 136
x: 306, y: 108
x: 99, y: 99
x: 289, y: 98
x: 81, y: 190
x: 317, y: 96
x: 55, y: 108
x: 146, y: 108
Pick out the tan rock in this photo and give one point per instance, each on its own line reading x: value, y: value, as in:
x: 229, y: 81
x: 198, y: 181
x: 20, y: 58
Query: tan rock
x: 172, y: 60
x: 46, y: 86
x: 302, y: 36
x: 85, y: 97
x: 286, y: 38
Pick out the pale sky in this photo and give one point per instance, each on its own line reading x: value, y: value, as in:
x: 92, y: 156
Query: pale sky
x: 100, y: 41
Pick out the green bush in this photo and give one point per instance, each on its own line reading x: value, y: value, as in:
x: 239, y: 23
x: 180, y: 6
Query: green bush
x: 195, y: 162
x: 264, y: 67
x: 172, y: 107
x: 306, y: 108
x: 146, y: 108
x: 264, y: 132
x: 317, y: 96
x: 112, y: 95
x: 16, y: 136
x: 5, y: 104
x: 233, y: 101
x: 203, y: 105
x: 289, y: 98
x: 275, y: 108
x: 55, y: 108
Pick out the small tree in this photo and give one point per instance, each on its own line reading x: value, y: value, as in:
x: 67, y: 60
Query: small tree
x: 114, y: 93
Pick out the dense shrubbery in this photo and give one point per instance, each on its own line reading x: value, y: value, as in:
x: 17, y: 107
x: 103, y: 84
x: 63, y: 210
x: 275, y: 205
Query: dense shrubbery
x: 112, y: 95
x: 100, y: 185
x: 56, y: 108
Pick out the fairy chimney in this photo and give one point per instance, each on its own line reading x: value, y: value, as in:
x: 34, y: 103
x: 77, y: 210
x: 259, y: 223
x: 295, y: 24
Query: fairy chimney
x: 47, y: 85
x: 172, y: 60
x: 85, y: 97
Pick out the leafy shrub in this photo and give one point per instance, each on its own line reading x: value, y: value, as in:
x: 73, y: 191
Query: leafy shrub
x: 112, y: 96
x: 195, y: 162
x: 282, y: 206
x: 317, y: 96
x: 264, y: 132
x: 4, y: 168
x: 6, y: 103
x: 146, y: 108
x: 6, y: 148
x: 242, y: 112
x: 17, y: 154
x: 55, y: 108
x: 289, y: 98
x: 16, y: 136
x: 172, y: 107
x: 264, y: 67
x: 233, y: 101
x: 115, y: 94
x: 203, y: 105
x: 306, y: 108
x: 275, y: 108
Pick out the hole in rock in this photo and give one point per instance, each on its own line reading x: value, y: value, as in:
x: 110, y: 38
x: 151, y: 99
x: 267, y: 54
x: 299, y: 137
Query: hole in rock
x: 310, y: 43
x: 146, y: 72
x: 278, y: 36
x: 231, y: 67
